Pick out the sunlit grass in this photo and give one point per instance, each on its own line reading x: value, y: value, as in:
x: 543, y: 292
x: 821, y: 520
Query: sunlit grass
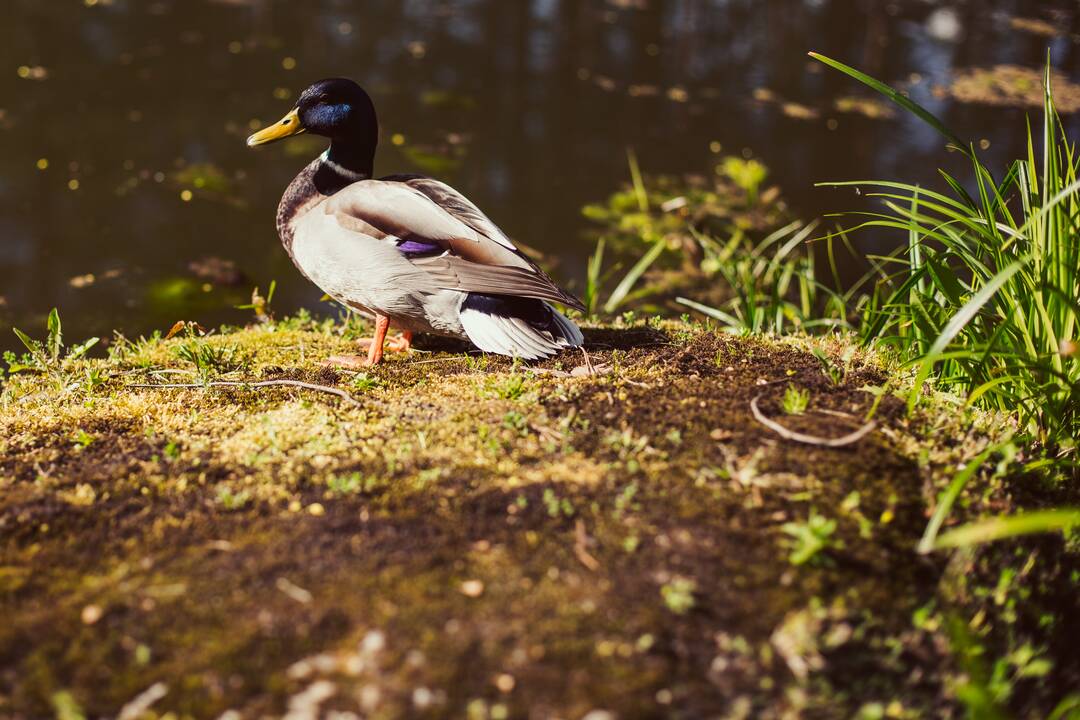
x: 985, y: 292
x: 772, y: 286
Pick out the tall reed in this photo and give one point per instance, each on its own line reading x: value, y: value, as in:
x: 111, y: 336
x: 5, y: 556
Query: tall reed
x: 985, y: 291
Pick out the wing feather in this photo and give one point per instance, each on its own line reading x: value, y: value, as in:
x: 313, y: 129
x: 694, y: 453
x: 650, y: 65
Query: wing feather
x: 479, y: 257
x: 457, y: 205
x: 455, y: 273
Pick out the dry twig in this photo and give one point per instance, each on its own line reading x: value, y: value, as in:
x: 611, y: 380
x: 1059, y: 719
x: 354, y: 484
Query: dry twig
x: 849, y: 439
x: 581, y: 540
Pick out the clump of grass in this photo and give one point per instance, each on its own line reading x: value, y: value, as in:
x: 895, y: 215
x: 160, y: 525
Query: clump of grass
x: 984, y: 292
x: 705, y: 234
x: 211, y: 359
x: 771, y: 286
x: 47, y: 356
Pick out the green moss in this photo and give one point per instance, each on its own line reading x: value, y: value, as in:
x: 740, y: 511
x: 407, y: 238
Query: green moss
x: 486, y: 536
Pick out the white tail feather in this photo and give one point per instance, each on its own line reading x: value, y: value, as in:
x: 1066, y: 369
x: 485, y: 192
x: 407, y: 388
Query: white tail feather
x: 516, y: 337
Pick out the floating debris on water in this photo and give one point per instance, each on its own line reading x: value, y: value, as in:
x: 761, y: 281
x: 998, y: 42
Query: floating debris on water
x: 1034, y: 26
x: 791, y: 109
x: 32, y: 72
x: 867, y: 107
x: 1014, y: 86
x: 217, y: 270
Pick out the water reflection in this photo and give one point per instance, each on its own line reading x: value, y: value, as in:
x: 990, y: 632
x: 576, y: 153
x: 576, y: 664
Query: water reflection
x: 122, y: 121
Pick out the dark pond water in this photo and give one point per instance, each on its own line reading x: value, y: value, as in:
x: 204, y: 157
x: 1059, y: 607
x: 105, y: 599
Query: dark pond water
x: 122, y: 122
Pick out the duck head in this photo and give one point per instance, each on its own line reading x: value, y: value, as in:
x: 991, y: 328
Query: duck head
x: 336, y: 108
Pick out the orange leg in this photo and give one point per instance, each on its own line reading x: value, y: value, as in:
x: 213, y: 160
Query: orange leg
x: 374, y: 355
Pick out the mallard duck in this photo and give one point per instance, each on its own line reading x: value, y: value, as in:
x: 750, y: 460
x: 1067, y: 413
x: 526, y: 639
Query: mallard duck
x: 407, y: 249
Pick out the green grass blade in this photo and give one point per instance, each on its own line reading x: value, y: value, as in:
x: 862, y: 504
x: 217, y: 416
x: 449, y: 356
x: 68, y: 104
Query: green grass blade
x: 26, y: 340
x: 948, y: 498
x: 56, y: 337
x: 955, y: 325
x: 895, y: 96
x: 957, y: 188
x: 1000, y: 528
x: 592, y: 278
x: 623, y: 288
x: 905, y: 187
x: 712, y: 312
x: 968, y: 311
x: 639, y: 183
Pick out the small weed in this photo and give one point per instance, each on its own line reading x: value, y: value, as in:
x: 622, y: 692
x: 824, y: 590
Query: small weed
x: 746, y: 174
x: 46, y: 356
x: 346, y: 484
x: 678, y: 595
x: 233, y: 500
x: 363, y: 382
x: 134, y: 351
x: 834, y: 372
x: 261, y: 305
x: 302, y: 320
x: 557, y: 506
x: 82, y: 439
x: 625, y: 501
x: 476, y: 363
x: 94, y: 378
x: 510, y: 388
x: 795, y: 400
x: 516, y: 422
x: 809, y: 539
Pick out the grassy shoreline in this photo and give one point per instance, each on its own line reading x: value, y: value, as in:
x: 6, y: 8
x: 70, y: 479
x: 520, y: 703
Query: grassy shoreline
x: 480, y: 538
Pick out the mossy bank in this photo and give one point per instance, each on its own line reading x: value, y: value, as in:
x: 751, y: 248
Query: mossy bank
x: 616, y: 537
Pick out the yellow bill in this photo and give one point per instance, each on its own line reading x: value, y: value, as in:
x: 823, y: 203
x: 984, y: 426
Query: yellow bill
x: 283, y: 128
